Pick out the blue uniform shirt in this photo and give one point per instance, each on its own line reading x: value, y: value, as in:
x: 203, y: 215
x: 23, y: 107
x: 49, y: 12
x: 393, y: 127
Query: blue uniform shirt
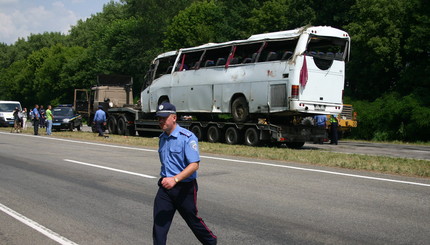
x: 320, y: 120
x: 177, y: 151
x: 36, y: 113
x: 100, y: 116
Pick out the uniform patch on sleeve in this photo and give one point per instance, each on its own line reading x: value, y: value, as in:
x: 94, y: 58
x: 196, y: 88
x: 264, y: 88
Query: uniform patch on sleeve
x: 193, y: 145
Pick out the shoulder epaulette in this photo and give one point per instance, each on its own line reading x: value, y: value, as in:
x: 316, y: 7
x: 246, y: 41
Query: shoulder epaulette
x: 186, y: 133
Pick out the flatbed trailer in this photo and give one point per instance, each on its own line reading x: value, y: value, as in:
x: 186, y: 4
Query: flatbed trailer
x: 229, y: 132
x: 125, y: 118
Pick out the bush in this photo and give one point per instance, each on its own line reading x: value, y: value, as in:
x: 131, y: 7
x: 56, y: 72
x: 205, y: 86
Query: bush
x: 392, y: 117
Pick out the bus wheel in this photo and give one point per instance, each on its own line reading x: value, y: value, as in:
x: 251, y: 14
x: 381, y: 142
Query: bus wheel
x: 232, y: 136
x: 295, y: 145
x: 251, y: 137
x: 213, y: 134
x: 122, y: 126
x: 111, y: 125
x: 197, y: 131
x: 240, y: 110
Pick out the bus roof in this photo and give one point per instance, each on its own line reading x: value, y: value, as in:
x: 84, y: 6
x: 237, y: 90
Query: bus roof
x: 315, y: 30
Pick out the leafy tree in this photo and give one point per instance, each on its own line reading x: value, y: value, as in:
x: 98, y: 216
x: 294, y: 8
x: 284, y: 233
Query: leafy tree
x: 202, y: 22
x: 301, y: 13
x: 376, y: 35
x: 271, y: 16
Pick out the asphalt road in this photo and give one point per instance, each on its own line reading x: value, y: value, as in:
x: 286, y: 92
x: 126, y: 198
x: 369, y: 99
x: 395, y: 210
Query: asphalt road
x: 56, y: 190
x: 366, y: 148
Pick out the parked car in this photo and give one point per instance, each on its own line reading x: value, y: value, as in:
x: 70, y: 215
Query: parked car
x: 65, y: 117
x: 6, y: 112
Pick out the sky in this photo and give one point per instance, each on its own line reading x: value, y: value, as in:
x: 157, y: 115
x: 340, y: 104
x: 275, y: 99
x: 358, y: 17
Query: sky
x: 20, y: 18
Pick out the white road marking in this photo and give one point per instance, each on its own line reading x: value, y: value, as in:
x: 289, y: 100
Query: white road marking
x: 319, y: 171
x: 240, y: 161
x: 38, y: 227
x: 111, y: 169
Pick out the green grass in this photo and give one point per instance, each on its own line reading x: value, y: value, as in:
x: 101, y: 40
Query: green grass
x: 382, y: 164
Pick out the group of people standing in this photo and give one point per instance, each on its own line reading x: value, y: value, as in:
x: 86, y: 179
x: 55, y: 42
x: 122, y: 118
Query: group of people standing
x: 42, y: 118
x: 19, y: 120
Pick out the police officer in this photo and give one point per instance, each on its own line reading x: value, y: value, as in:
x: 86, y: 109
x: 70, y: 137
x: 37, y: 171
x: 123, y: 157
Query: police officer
x: 100, y: 120
x: 36, y: 118
x: 179, y: 156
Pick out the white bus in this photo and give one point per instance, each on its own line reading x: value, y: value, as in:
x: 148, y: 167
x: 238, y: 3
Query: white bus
x: 284, y: 73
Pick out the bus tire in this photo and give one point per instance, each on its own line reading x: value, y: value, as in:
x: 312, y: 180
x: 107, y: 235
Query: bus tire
x: 213, y: 134
x: 232, y: 136
x: 112, y: 125
x: 197, y: 131
x: 240, y: 110
x: 122, y: 125
x: 251, y: 137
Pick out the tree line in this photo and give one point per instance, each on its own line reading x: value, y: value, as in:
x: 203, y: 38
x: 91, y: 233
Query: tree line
x: 387, y: 78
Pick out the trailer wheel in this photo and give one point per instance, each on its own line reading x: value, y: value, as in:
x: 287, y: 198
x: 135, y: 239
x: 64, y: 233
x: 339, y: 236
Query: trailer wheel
x: 213, y: 134
x: 240, y: 110
x: 295, y: 145
x: 232, y: 136
x: 122, y: 126
x: 111, y: 124
x: 197, y: 131
x: 251, y: 137
x: 131, y: 131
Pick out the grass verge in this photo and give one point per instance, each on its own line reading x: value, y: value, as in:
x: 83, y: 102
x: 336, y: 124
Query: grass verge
x: 382, y: 164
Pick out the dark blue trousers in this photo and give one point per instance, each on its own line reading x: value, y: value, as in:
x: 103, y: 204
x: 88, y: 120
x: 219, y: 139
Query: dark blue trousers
x: 99, y: 127
x: 183, y: 198
x: 36, y: 126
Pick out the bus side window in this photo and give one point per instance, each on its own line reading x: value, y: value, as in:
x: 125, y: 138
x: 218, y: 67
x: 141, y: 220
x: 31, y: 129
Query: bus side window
x: 165, y: 66
x: 214, y: 57
x: 191, y: 61
x: 247, y: 53
x: 278, y: 50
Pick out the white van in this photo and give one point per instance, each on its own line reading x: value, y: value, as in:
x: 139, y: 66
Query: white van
x: 6, y: 112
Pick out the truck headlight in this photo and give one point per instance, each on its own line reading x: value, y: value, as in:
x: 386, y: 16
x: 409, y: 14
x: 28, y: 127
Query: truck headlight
x: 66, y: 120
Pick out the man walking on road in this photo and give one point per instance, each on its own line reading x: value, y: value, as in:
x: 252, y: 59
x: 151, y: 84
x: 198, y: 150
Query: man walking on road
x: 179, y: 156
